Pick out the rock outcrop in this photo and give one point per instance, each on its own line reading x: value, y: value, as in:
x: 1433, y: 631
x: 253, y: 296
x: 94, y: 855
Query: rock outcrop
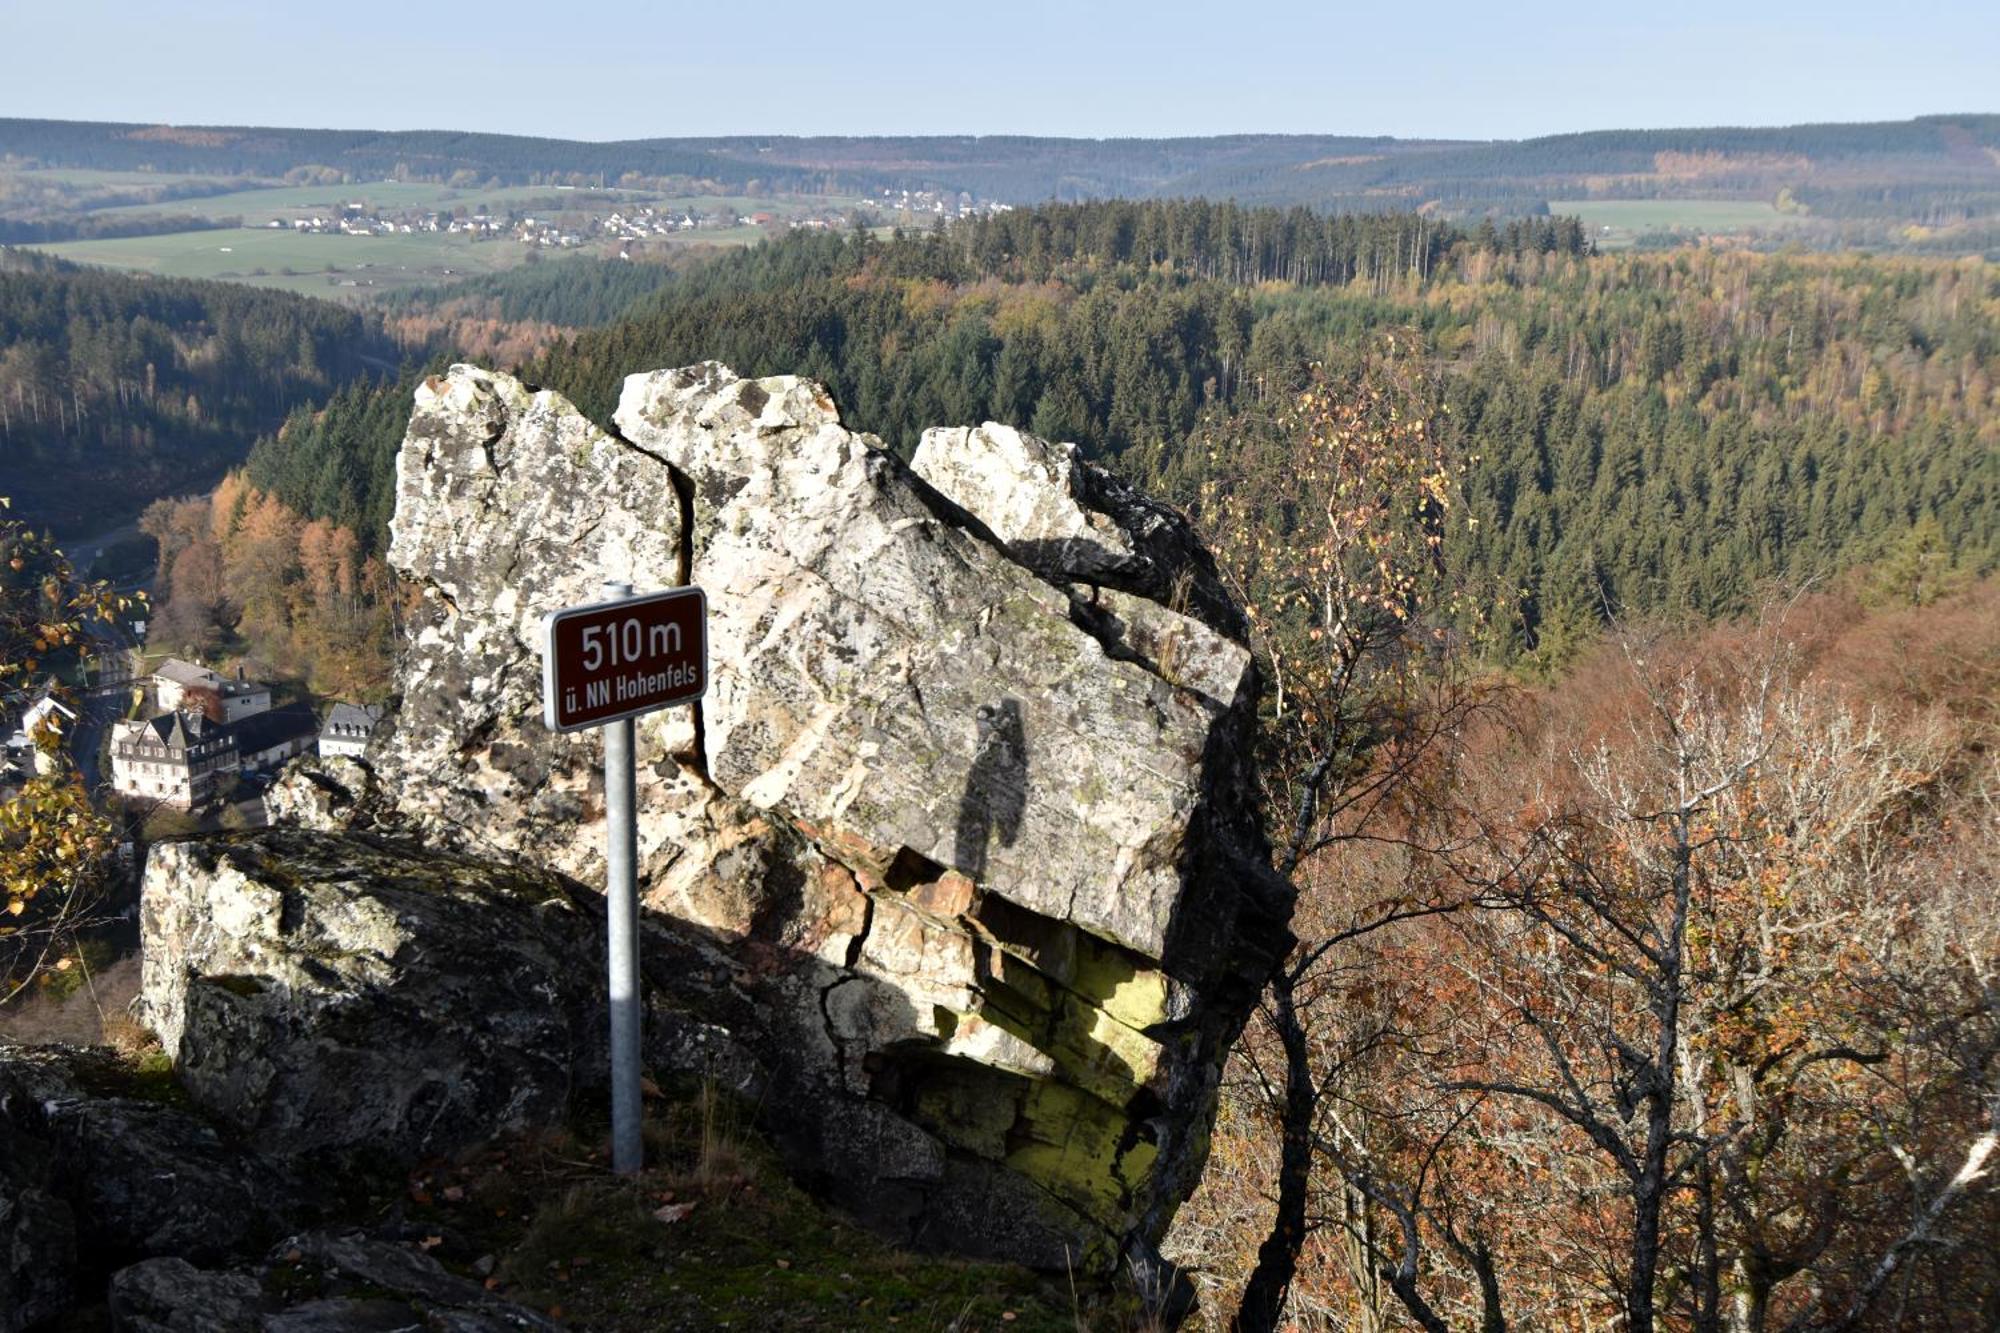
x: 112, y: 1190
x: 954, y: 864
x: 339, y: 995
x: 1072, y: 521
x: 316, y: 1282
x: 93, y: 1176
x: 282, y: 970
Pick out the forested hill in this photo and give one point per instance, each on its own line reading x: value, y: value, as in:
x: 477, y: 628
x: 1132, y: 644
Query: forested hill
x: 1650, y: 432
x: 1117, y: 325
x: 1928, y: 170
x: 576, y: 293
x: 1843, y: 170
x: 116, y: 389
x: 373, y: 154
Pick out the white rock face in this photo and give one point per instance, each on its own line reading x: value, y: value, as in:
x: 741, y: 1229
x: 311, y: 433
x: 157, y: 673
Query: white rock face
x: 884, y: 673
x: 509, y: 504
x: 1027, y: 492
x: 1074, y: 522
x: 966, y: 803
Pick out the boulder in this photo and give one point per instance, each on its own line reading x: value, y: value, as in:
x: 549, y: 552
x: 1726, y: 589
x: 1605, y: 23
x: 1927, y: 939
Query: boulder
x: 397, y: 1278
x: 901, y: 687
x: 955, y: 863
x: 171, y: 1295
x: 1073, y: 521
x: 92, y: 1177
x: 328, y: 994
x: 331, y: 1282
x: 339, y: 994
x: 37, y: 1229
x: 324, y: 792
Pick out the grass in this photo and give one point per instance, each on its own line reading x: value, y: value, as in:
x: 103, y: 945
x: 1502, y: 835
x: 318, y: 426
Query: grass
x: 720, y: 236
x: 321, y: 265
x: 355, y: 268
x: 146, y: 1075
x: 712, y: 1236
x: 85, y: 1005
x: 290, y: 201
x: 1615, y: 223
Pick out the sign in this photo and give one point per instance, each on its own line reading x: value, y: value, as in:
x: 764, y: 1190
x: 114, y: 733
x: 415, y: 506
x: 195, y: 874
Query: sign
x: 618, y: 659
x: 602, y: 666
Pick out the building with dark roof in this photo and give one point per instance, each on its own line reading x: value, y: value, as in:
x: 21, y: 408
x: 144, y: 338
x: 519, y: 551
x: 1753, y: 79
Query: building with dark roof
x: 177, y: 758
x: 347, y: 729
x: 265, y: 740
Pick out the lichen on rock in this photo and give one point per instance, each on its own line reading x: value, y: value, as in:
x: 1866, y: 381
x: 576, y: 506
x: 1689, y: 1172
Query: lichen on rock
x: 955, y: 862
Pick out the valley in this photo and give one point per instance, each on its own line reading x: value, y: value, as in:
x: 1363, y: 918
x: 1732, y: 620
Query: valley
x: 1305, y: 730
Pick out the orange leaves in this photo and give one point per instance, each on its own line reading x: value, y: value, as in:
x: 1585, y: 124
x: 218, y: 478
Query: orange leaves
x: 55, y: 851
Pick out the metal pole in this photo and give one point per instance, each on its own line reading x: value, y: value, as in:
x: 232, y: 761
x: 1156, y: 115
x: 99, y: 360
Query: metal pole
x: 622, y: 915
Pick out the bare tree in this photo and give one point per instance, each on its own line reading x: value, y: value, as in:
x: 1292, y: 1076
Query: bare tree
x: 1343, y: 576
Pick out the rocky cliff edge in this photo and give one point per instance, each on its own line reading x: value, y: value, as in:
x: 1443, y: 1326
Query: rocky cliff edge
x: 953, y: 871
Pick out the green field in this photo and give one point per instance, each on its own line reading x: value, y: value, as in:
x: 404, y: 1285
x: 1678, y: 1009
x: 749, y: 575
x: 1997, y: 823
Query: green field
x: 351, y: 268
x: 1616, y: 223
x: 355, y: 268
x: 289, y: 201
x: 322, y: 265
x: 84, y: 176
x: 286, y: 202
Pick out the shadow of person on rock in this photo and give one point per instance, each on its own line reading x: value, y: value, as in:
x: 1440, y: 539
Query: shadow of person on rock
x: 996, y: 787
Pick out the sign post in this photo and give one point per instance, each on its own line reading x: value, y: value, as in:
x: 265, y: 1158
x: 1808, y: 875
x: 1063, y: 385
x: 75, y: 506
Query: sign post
x: 603, y: 665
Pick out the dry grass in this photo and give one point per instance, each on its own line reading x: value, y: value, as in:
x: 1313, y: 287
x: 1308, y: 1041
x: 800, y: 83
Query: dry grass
x: 93, y: 1010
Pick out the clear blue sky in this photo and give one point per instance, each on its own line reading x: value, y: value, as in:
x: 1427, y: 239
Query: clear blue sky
x: 591, y: 70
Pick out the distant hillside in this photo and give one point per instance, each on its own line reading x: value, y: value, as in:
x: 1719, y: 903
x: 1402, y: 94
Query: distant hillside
x: 1941, y: 153
x: 1934, y: 171
x: 1652, y: 433
x: 115, y: 390
x: 371, y: 154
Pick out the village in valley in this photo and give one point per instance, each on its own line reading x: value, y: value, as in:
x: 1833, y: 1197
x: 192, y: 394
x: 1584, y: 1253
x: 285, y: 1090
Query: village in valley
x: 175, y: 736
x: 560, y: 228
x: 568, y: 223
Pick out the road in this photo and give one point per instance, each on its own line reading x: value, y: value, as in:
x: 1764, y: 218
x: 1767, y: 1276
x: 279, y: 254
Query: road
x: 83, y: 554
x: 101, y: 706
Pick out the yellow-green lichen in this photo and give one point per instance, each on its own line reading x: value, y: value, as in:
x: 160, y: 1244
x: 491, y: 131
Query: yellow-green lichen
x: 1119, y: 982
x: 969, y: 1107
x: 1100, y: 1054
x: 1070, y: 1143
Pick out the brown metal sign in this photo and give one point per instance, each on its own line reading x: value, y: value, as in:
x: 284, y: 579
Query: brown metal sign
x: 619, y: 659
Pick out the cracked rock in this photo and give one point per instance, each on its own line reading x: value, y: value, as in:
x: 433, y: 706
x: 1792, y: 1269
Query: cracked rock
x: 955, y: 861
x: 1071, y: 520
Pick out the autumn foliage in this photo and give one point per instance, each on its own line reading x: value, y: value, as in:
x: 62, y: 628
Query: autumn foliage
x: 1708, y: 1038
x: 54, y: 847
x: 241, y: 570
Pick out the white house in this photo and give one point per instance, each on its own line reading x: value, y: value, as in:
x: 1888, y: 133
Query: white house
x: 347, y: 729
x: 21, y: 743
x: 173, y: 678
x: 243, y: 698
x: 178, y: 684
x: 176, y: 759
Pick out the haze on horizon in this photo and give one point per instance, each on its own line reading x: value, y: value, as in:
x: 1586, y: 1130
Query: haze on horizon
x: 601, y: 72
